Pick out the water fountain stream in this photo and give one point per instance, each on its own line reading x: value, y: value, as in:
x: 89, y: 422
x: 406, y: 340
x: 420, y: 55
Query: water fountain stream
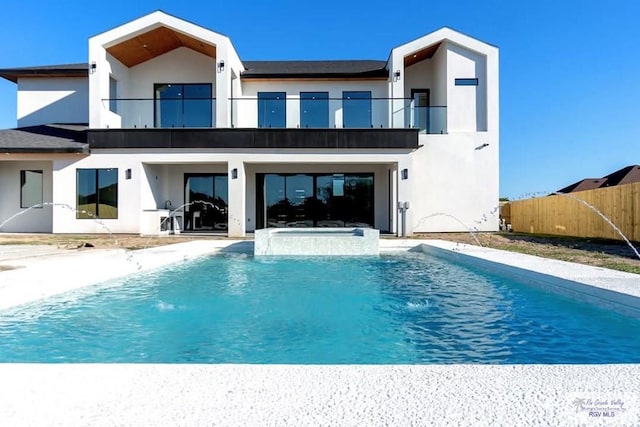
x: 62, y: 205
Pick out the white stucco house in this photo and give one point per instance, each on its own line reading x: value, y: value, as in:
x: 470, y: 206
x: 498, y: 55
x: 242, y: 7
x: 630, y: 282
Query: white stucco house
x: 166, y: 113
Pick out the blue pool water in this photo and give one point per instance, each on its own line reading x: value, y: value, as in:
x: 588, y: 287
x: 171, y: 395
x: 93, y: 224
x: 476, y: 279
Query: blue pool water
x: 405, y: 308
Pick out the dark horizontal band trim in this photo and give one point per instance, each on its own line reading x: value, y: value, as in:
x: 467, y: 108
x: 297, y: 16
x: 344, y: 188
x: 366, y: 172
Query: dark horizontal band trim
x: 254, y: 138
x: 45, y: 150
x: 381, y: 74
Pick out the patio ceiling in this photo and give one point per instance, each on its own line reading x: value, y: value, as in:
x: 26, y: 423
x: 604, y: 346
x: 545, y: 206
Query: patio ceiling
x: 156, y: 42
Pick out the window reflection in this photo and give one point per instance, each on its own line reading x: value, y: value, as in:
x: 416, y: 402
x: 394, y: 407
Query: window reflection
x: 97, y: 193
x: 356, y: 109
x: 183, y: 105
x: 272, y: 109
x: 211, y: 193
x: 314, y: 109
x: 317, y: 200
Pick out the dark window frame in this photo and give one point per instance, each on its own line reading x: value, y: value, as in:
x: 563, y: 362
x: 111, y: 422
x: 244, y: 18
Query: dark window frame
x: 23, y: 179
x: 97, y: 193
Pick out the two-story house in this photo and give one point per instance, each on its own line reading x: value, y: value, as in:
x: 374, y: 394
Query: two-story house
x: 166, y: 119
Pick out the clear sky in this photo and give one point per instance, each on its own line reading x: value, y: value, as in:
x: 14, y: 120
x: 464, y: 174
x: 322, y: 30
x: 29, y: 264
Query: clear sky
x: 569, y: 69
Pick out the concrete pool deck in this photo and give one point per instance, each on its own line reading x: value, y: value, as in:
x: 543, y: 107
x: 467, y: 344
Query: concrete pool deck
x: 140, y: 394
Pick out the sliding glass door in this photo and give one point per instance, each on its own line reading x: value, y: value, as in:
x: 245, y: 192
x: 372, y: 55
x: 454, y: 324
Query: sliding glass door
x: 207, y: 199
x: 315, y: 200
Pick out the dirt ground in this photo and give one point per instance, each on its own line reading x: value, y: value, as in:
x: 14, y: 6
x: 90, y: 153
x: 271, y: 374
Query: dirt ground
x: 603, y: 253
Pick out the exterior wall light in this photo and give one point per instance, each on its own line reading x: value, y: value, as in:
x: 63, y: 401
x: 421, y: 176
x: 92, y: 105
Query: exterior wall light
x: 396, y: 75
x: 234, y: 173
x: 92, y: 67
x: 127, y: 174
x: 221, y: 66
x: 404, y: 174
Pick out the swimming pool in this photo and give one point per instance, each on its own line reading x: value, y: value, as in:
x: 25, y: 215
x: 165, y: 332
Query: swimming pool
x: 393, y: 309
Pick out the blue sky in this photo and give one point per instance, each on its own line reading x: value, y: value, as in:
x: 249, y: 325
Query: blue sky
x: 569, y: 70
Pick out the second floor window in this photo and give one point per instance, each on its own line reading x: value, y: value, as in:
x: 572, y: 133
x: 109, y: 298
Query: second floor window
x: 356, y: 109
x: 314, y: 109
x: 272, y: 109
x: 183, y: 105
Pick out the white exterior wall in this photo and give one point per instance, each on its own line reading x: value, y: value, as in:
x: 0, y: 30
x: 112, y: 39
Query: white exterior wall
x: 52, y: 100
x: 439, y: 68
x: 181, y: 65
x: 157, y: 177
x: 37, y: 220
x: 449, y: 176
x: 129, y: 194
x: 467, y: 104
x: 456, y: 177
x: 419, y: 76
x: 246, y: 112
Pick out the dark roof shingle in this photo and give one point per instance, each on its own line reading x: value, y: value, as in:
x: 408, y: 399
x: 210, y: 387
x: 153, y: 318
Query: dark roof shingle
x: 315, y: 69
x: 45, y: 139
x: 626, y: 175
x: 63, y: 70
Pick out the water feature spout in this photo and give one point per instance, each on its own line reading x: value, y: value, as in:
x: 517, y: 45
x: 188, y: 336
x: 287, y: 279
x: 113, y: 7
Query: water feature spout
x: 62, y: 205
x: 469, y: 230
x: 601, y: 215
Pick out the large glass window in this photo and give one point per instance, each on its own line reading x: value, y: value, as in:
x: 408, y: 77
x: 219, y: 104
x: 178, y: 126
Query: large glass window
x: 183, y: 105
x: 314, y: 109
x: 97, y: 193
x: 30, y: 188
x: 272, y: 109
x: 315, y: 200
x: 356, y: 109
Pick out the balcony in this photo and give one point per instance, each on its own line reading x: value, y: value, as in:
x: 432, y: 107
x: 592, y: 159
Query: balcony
x: 276, y: 112
x: 132, y: 113
x: 357, y: 112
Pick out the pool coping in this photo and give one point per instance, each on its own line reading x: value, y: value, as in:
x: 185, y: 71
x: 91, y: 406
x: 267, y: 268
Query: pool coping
x: 151, y: 394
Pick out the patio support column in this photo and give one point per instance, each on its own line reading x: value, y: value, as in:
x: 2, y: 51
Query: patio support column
x: 393, y: 200
x: 405, y: 195
x: 237, y: 199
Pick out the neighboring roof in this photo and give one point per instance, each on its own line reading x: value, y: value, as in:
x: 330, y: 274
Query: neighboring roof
x: 63, y: 70
x: 626, y: 175
x: 585, y: 184
x: 315, y: 69
x: 45, y: 139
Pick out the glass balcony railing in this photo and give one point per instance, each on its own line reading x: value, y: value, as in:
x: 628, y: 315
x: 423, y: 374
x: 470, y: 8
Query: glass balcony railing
x: 324, y: 113
x: 277, y: 112
x: 160, y: 113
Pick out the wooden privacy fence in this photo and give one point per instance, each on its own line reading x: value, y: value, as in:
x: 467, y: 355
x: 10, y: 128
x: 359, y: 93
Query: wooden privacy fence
x: 564, y: 216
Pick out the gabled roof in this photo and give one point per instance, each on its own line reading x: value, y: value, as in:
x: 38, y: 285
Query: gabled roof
x: 585, y: 184
x: 155, y: 34
x: 315, y: 69
x: 626, y: 175
x: 63, y: 70
x: 52, y: 138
